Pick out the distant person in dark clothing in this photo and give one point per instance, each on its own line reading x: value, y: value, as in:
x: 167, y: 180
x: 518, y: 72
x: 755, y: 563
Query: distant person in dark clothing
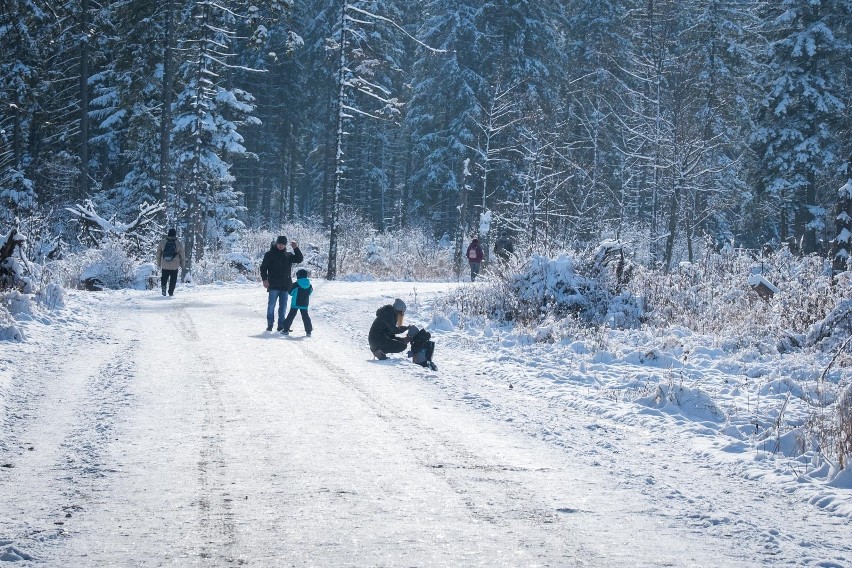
x: 276, y: 271
x: 503, y: 248
x: 170, y: 259
x: 300, y: 292
x: 475, y: 256
x: 386, y: 326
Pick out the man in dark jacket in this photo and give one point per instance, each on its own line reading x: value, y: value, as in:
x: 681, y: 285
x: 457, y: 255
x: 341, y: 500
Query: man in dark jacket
x: 383, y: 332
x: 275, y: 271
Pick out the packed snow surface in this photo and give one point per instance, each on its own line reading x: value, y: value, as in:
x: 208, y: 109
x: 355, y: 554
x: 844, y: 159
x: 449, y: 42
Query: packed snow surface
x: 139, y: 430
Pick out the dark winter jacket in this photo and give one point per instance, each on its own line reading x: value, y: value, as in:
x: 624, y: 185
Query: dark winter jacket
x: 277, y: 267
x: 300, y: 293
x: 384, y: 325
x: 474, y: 251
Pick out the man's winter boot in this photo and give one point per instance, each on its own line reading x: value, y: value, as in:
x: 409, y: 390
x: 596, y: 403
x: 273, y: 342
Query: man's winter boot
x: 268, y: 328
x: 379, y: 354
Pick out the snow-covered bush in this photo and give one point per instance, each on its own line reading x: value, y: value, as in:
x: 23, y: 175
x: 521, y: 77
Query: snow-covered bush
x: 145, y: 276
x: 714, y: 297
x: 110, y: 266
x: 51, y: 296
x: 18, y: 304
x: 587, y: 287
x: 554, y: 298
x: 8, y: 330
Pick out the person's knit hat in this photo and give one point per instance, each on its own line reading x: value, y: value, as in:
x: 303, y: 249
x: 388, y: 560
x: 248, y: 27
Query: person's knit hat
x: 301, y: 273
x: 399, y: 305
x: 281, y: 240
x: 172, y: 233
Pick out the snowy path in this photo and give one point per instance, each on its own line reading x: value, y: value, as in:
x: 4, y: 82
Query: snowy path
x: 179, y: 433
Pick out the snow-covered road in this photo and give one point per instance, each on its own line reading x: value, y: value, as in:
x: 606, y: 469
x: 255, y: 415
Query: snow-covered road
x: 177, y: 432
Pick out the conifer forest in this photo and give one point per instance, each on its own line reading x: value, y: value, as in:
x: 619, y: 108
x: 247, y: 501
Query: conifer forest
x: 673, y: 125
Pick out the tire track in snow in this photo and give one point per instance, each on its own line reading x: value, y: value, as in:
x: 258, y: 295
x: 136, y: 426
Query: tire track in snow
x: 81, y: 417
x: 107, y: 393
x: 214, y: 502
x: 494, y: 492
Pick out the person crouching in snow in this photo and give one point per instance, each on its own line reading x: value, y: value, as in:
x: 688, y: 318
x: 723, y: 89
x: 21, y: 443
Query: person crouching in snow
x: 388, y: 323
x: 300, y: 292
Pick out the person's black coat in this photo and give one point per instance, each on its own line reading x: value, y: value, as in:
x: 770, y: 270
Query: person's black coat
x: 277, y: 267
x: 384, y: 326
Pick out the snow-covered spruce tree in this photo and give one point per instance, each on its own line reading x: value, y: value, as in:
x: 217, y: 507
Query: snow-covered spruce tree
x: 802, y: 110
x: 128, y: 102
x: 19, y: 56
x: 723, y: 40
x: 366, y: 61
x: 270, y: 181
x: 208, y: 113
x: 492, y: 47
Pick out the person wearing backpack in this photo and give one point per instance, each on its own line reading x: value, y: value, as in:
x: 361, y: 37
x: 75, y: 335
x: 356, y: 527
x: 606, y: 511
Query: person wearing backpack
x: 300, y: 292
x: 170, y: 259
x: 475, y: 255
x: 276, y: 273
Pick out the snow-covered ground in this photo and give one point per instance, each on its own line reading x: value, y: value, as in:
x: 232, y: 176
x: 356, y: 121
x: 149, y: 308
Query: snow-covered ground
x: 137, y: 430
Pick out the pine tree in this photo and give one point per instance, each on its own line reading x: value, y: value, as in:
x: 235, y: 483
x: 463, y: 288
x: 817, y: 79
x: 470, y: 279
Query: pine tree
x: 801, y: 110
x: 19, y: 55
x: 207, y: 117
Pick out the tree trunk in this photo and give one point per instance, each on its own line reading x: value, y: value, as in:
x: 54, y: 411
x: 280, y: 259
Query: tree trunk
x: 460, y: 227
x: 331, y: 273
x: 84, y: 99
x: 809, y: 243
x: 166, y: 114
x: 672, y: 228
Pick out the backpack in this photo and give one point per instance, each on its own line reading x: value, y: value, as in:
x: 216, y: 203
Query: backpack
x: 422, y: 349
x: 170, y: 250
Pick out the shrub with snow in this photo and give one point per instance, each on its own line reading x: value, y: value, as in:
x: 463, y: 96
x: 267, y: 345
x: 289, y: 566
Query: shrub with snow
x: 51, y: 296
x: 108, y: 267
x: 8, y: 330
x: 18, y: 304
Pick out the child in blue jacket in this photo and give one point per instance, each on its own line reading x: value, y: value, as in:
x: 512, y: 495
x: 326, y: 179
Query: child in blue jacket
x: 300, y: 292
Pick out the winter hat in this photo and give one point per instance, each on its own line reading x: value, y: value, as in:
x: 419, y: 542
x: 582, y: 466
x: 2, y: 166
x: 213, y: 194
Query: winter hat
x: 172, y: 233
x: 301, y: 273
x: 281, y: 240
x: 399, y: 305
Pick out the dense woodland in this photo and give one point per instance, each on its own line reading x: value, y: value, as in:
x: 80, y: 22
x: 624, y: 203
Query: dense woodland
x: 674, y: 126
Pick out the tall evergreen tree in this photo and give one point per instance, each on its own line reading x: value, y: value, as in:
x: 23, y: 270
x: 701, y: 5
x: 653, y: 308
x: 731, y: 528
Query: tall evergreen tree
x: 19, y: 56
x: 801, y: 110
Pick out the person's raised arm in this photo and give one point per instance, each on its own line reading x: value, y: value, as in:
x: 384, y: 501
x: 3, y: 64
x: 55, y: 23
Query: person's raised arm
x: 297, y: 252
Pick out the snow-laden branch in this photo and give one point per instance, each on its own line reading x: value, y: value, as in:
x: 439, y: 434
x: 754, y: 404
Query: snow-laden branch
x: 397, y: 26
x: 96, y: 227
